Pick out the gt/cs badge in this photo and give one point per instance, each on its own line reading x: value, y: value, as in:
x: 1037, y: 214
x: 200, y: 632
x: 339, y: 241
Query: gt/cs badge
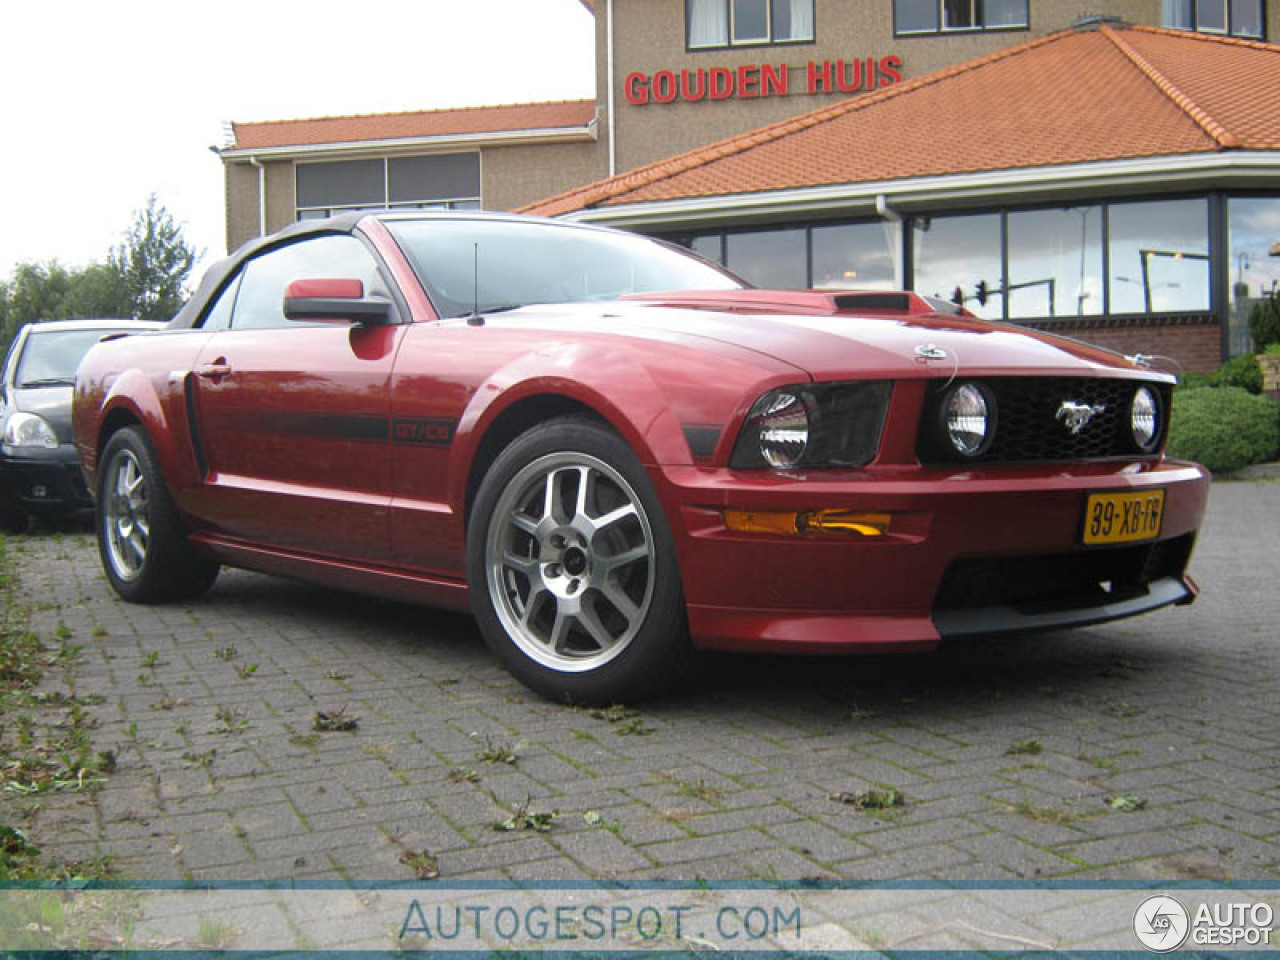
x: 431, y: 433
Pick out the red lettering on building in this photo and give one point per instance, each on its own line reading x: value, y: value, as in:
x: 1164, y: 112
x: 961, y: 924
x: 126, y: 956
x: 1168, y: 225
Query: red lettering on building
x: 773, y: 80
x: 665, y: 88
x: 698, y: 92
x: 752, y: 81
x: 890, y: 71
x: 721, y: 83
x: 849, y: 76
x: 636, y: 87
x: 820, y: 75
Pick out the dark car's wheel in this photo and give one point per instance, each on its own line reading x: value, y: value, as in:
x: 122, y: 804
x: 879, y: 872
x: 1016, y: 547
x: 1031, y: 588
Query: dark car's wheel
x: 573, y: 570
x: 145, y: 554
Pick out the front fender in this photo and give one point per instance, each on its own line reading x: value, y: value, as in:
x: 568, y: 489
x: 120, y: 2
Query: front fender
x: 609, y: 381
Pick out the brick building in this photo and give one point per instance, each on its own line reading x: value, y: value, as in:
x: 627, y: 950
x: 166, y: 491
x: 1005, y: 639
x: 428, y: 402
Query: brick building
x: 1113, y: 176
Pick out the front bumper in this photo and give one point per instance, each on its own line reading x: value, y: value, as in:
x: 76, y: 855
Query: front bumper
x: 968, y: 552
x: 46, y: 483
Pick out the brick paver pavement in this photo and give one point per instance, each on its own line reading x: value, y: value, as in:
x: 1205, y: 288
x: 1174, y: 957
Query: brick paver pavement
x: 1017, y: 757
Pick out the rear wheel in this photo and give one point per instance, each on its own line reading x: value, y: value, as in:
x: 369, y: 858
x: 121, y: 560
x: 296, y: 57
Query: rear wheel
x: 145, y: 553
x: 572, y: 567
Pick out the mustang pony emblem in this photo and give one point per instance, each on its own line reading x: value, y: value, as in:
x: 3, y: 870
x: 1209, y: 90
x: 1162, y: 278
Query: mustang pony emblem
x: 1076, y: 416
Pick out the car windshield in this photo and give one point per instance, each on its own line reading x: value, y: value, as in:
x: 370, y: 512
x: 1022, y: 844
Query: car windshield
x: 501, y: 264
x: 50, y: 357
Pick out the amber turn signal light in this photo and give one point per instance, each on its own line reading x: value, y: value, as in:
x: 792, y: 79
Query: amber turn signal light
x: 808, y: 521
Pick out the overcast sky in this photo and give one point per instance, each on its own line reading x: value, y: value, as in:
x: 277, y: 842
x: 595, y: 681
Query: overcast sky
x: 104, y: 103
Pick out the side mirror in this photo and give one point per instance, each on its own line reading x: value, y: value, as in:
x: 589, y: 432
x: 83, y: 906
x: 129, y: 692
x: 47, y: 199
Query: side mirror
x: 333, y: 300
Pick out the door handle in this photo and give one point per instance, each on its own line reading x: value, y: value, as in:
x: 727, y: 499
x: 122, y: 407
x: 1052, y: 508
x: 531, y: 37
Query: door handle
x: 214, y: 371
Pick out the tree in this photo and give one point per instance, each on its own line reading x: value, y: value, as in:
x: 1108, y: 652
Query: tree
x: 153, y: 264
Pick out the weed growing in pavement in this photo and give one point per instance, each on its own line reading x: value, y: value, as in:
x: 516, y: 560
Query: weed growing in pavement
x: 463, y: 775
x: 337, y: 675
x: 228, y: 720
x: 151, y: 660
x: 246, y: 671
x: 694, y: 790
x: 499, y: 752
x: 202, y: 760
x: 1026, y: 748
x: 523, y: 818
x: 334, y: 720
x: 305, y: 739
x: 1126, y: 803
x: 226, y: 653
x: 872, y: 801
x: 1043, y: 814
x: 423, y: 864
x: 634, y: 728
x: 215, y: 934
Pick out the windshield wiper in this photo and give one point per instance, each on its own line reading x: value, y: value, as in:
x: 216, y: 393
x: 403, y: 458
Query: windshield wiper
x: 48, y: 382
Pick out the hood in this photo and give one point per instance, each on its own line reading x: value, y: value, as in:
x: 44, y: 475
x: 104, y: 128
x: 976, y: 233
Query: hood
x: 52, y: 403
x: 835, y: 336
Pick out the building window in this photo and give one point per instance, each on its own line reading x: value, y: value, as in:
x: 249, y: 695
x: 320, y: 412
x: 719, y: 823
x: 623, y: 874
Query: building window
x: 1253, y: 225
x: 941, y: 16
x: 449, y: 181
x: 1157, y: 260
x: 770, y: 259
x: 728, y: 23
x: 1236, y: 18
x: 865, y: 256
x: 1159, y: 256
x: 1055, y: 263
x: 960, y: 259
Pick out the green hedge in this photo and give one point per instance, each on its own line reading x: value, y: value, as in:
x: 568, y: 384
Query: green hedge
x: 1224, y: 428
x: 1242, y: 371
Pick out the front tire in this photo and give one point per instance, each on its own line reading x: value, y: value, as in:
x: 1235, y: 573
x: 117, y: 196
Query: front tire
x: 572, y: 568
x: 145, y: 552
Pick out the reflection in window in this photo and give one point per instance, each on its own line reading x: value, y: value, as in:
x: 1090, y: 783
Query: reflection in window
x: 709, y: 245
x: 861, y: 255
x: 1055, y: 263
x: 958, y: 259
x: 1239, y: 18
x: 932, y: 16
x: 1254, y: 229
x: 1159, y: 256
x: 436, y: 182
x: 722, y: 23
x: 772, y: 259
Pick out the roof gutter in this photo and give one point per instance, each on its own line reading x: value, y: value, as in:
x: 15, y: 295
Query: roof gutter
x: 503, y: 138
x: 1158, y: 174
x: 262, y: 195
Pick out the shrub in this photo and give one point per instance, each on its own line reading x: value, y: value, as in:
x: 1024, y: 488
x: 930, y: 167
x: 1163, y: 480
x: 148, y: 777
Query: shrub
x: 1264, y: 323
x: 1242, y: 371
x: 1225, y: 428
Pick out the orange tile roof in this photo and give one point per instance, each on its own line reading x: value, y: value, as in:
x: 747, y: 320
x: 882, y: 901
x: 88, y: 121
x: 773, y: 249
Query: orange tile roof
x: 1077, y: 96
x: 420, y: 123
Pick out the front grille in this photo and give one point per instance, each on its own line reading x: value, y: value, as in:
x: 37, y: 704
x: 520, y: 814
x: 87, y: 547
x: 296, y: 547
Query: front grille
x: 1061, y: 581
x: 1027, y: 423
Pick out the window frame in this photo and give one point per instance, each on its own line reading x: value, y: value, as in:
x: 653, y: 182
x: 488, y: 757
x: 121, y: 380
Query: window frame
x: 1229, y: 16
x: 942, y: 29
x: 301, y: 212
x: 731, y: 44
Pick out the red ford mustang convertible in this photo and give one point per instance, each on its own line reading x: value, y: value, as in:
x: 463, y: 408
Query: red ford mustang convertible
x: 614, y: 452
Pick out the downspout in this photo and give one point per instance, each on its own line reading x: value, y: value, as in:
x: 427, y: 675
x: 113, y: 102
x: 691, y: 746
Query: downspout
x: 262, y: 195
x: 890, y: 215
x: 608, y: 40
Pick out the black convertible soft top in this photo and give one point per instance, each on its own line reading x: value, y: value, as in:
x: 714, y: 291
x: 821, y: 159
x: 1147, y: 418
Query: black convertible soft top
x: 217, y: 274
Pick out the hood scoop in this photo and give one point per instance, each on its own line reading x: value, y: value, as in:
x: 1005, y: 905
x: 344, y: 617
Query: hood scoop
x: 879, y: 303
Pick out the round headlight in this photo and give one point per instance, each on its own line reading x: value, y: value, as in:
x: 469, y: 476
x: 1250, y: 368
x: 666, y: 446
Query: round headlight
x: 784, y: 430
x: 29, y: 430
x: 1145, y: 419
x: 968, y: 417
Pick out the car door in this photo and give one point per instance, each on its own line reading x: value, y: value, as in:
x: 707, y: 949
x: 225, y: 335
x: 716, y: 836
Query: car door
x: 293, y: 417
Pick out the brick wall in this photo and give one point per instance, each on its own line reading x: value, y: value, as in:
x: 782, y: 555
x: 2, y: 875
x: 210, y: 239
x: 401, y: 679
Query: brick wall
x: 1195, y: 343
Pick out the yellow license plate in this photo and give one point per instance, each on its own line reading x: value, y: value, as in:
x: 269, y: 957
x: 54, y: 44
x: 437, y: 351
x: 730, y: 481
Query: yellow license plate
x: 1123, y: 517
